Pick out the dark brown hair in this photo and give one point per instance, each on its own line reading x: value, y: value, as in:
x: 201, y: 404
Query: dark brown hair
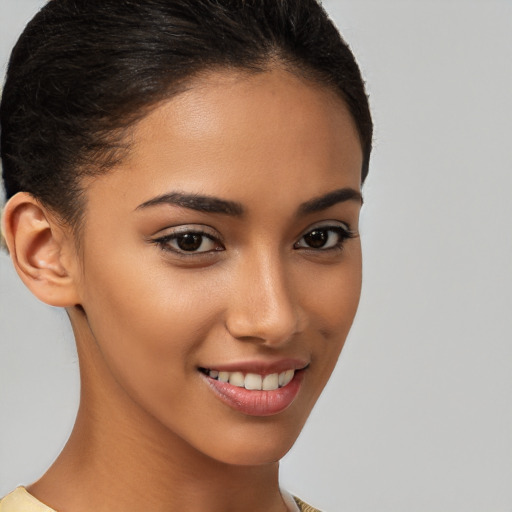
x: 84, y: 71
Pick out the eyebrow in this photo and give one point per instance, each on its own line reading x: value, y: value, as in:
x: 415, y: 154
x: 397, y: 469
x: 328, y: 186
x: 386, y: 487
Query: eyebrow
x: 197, y: 202
x: 209, y: 204
x: 326, y: 201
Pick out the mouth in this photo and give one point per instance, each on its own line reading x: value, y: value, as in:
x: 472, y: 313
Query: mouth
x: 252, y: 393
x: 252, y: 381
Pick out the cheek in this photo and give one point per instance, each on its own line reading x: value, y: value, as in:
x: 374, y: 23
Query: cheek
x: 332, y: 298
x: 333, y: 294
x: 147, y: 319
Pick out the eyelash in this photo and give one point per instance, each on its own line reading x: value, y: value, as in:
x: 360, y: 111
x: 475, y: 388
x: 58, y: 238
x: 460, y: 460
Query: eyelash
x: 342, y: 232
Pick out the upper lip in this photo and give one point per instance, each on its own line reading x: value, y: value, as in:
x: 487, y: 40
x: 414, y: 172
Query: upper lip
x: 260, y: 367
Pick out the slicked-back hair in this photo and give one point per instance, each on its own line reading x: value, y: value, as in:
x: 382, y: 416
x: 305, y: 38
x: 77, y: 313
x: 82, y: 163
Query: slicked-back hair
x: 84, y: 71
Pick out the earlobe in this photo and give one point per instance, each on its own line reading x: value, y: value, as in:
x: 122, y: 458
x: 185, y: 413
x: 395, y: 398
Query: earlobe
x: 39, y: 248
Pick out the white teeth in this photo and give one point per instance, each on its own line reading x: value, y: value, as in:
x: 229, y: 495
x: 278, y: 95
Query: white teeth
x: 254, y: 381
x: 224, y: 376
x: 270, y: 382
x: 288, y: 376
x: 237, y: 379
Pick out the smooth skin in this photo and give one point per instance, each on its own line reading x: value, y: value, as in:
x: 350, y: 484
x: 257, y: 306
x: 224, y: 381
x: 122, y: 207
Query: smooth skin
x: 155, y: 291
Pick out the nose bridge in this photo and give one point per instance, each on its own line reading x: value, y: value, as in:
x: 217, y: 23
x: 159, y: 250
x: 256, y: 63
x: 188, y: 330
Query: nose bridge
x: 264, y: 306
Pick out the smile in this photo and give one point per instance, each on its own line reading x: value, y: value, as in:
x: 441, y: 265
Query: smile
x: 255, y: 394
x: 252, y: 381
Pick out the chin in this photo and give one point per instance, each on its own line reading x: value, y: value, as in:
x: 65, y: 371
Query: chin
x: 254, y: 445
x: 254, y: 456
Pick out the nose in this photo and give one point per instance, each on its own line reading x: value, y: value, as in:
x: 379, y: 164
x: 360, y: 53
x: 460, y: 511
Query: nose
x: 263, y: 305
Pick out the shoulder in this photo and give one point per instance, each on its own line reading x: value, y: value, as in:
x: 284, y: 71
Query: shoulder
x: 303, y: 507
x: 20, y: 500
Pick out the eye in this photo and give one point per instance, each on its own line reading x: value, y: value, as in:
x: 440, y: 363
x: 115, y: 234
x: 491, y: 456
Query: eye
x: 189, y: 242
x: 324, y: 238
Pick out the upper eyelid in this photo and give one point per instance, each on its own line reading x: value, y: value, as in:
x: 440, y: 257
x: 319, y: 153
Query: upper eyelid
x: 326, y: 224
x: 202, y: 229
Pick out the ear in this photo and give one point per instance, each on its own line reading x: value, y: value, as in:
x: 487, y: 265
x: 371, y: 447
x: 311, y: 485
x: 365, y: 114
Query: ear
x: 42, y: 250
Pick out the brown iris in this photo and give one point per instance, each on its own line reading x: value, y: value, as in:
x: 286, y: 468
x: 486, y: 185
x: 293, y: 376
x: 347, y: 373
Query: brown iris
x: 316, y: 238
x: 189, y: 241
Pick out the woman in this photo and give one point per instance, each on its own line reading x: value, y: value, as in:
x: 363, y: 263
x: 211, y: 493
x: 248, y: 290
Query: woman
x: 184, y: 177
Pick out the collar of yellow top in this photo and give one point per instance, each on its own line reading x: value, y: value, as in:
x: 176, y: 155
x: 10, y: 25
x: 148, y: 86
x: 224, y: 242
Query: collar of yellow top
x: 20, y: 500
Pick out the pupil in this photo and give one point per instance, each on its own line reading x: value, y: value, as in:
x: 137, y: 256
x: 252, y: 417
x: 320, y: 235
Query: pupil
x: 316, y: 238
x: 190, y: 242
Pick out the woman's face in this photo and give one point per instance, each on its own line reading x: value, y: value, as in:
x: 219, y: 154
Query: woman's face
x: 226, y: 248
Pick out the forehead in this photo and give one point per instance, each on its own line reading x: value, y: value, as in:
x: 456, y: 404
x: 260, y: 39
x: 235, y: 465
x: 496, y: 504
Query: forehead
x: 235, y: 133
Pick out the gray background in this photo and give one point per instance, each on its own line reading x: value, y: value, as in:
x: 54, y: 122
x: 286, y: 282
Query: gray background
x: 418, y: 416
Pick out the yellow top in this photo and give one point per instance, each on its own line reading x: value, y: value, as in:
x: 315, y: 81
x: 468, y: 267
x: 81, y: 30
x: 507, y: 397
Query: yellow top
x: 20, y: 500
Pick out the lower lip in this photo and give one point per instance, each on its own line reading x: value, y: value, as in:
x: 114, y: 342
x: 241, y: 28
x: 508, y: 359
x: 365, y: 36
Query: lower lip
x: 257, y: 403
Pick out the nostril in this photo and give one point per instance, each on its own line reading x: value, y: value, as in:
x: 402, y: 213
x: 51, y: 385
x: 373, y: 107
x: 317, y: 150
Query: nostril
x: 269, y: 330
